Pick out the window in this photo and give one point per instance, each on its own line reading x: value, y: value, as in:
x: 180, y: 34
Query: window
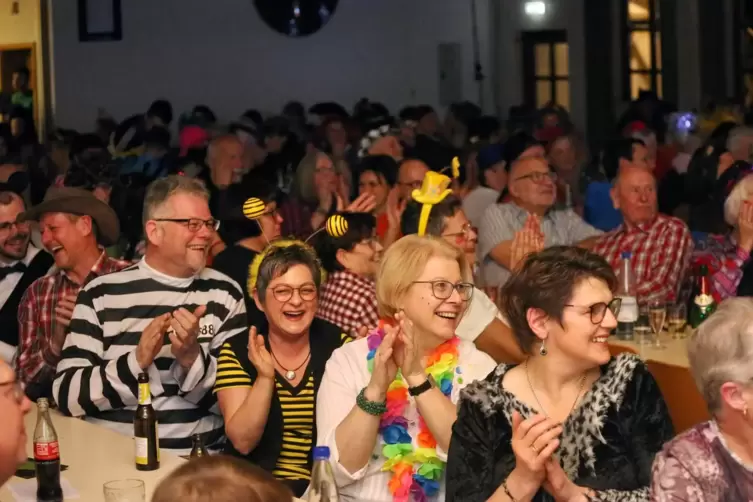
x: 546, y: 76
x: 643, y: 57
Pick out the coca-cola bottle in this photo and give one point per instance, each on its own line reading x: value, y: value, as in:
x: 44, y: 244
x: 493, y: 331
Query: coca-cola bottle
x: 46, y: 456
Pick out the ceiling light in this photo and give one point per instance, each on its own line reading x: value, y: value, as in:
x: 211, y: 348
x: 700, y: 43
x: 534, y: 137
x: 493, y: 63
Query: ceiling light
x: 535, y: 9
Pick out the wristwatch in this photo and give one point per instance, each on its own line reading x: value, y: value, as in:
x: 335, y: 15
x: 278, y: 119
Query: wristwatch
x: 420, y: 389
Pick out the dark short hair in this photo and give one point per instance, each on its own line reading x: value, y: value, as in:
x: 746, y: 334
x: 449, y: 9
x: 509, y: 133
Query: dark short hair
x: 360, y: 227
x: 620, y: 148
x: 280, y: 259
x: 437, y: 218
x: 383, y: 166
x: 162, y: 109
x: 546, y: 281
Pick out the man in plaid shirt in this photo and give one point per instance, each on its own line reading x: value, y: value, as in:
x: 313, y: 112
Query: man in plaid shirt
x: 71, y: 221
x: 661, y: 245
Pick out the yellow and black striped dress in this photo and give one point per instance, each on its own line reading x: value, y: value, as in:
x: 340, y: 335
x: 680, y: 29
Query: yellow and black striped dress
x: 290, y: 433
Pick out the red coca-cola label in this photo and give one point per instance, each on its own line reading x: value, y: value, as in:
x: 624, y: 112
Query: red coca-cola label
x: 46, y: 451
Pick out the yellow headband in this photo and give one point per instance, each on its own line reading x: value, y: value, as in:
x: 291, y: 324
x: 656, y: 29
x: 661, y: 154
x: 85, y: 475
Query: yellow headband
x: 433, y: 191
x: 253, y: 272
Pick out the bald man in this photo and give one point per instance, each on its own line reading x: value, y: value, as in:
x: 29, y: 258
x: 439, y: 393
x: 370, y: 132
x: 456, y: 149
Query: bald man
x: 660, y: 245
x: 224, y: 158
x: 15, y: 405
x: 410, y: 176
x: 533, y: 192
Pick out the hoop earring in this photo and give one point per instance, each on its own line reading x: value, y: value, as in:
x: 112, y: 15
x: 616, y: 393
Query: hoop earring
x: 542, y: 350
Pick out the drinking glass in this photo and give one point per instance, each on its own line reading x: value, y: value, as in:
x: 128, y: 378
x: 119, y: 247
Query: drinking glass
x: 677, y: 317
x: 642, y: 327
x: 125, y: 490
x: 657, y: 314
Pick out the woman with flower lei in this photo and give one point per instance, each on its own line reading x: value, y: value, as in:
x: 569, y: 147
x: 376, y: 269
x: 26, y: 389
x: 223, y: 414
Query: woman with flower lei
x: 387, y: 402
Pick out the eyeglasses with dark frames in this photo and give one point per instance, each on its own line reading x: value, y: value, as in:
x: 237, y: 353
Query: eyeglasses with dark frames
x: 465, y: 232
x: 283, y: 293
x: 18, y: 390
x: 4, y: 227
x: 194, y: 224
x: 599, y: 310
x: 442, y: 290
x: 539, y: 177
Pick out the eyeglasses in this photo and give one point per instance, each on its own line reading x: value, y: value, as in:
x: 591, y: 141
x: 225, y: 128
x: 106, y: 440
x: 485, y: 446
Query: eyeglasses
x: 413, y: 184
x: 5, y: 227
x: 19, y: 390
x: 272, y: 212
x: 442, y: 290
x: 283, y: 294
x: 371, y: 243
x: 465, y: 232
x: 194, y: 224
x: 539, y: 177
x: 599, y: 310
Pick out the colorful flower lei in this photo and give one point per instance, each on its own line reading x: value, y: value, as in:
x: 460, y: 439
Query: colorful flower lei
x: 414, y: 472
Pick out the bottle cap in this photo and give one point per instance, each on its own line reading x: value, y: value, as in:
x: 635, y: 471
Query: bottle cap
x: 626, y: 254
x: 321, y: 453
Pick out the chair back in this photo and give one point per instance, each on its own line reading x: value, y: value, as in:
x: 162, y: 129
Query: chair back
x: 686, y: 405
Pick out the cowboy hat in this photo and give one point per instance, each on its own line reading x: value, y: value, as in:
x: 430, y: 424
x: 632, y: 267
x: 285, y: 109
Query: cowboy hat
x: 79, y: 202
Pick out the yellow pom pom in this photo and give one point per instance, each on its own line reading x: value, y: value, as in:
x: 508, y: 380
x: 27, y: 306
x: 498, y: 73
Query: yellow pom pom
x: 253, y: 208
x: 336, y: 225
x: 455, y: 167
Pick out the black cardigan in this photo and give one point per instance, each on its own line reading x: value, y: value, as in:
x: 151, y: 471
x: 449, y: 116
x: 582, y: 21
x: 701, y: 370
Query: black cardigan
x: 325, y: 338
x: 608, y: 443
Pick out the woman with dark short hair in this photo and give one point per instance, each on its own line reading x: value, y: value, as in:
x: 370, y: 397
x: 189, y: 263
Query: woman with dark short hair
x: 267, y: 383
x: 571, y: 422
x: 348, y: 297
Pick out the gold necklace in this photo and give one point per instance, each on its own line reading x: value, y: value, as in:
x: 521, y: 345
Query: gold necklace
x: 580, y: 390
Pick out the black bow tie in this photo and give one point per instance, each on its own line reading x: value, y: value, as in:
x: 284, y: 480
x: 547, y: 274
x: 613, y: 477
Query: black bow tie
x: 6, y: 271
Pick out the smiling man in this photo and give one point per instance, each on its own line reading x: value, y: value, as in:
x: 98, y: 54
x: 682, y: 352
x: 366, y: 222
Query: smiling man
x: 20, y: 265
x: 165, y: 316
x: 74, y: 224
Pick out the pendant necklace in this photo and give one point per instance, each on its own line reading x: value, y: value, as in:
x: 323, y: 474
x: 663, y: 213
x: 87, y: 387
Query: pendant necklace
x: 580, y: 391
x: 290, y: 374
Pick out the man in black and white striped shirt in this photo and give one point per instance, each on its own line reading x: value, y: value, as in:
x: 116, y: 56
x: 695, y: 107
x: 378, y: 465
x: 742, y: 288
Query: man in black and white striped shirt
x: 165, y: 315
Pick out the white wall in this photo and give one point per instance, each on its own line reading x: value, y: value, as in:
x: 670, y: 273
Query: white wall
x: 512, y: 20
x: 221, y: 54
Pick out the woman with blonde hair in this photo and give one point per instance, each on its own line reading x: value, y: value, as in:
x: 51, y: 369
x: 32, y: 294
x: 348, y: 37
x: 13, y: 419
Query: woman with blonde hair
x: 387, y: 403
x: 713, y: 461
x: 219, y: 478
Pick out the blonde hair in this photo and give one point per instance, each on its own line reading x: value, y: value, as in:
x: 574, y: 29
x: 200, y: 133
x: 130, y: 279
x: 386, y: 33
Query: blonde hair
x: 403, y: 264
x: 742, y: 192
x: 219, y: 478
x: 721, y: 349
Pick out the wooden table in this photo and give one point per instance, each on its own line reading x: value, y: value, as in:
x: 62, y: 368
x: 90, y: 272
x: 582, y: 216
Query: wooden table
x: 675, y: 351
x: 95, y: 455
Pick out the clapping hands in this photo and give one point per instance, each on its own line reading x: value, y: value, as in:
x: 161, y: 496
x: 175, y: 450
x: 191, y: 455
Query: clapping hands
x: 529, y: 239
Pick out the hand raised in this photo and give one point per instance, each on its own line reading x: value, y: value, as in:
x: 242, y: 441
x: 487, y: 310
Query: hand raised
x: 405, y: 351
x: 385, y: 367
x: 184, y: 335
x: 151, y: 341
x: 395, y: 208
x: 64, y: 310
x: 364, y: 203
x: 259, y: 355
x: 534, y: 440
x: 745, y: 225
x: 559, y: 486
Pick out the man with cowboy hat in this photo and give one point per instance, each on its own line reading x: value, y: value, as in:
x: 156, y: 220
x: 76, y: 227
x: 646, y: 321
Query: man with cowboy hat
x: 75, y: 227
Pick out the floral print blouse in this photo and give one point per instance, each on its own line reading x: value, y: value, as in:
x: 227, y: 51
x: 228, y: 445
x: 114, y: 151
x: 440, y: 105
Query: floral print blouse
x: 697, y: 466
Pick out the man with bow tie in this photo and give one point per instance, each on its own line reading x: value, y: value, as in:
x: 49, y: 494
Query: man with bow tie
x: 20, y: 265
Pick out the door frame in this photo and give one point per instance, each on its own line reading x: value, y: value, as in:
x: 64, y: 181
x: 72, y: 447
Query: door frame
x: 32, y: 47
x: 528, y: 40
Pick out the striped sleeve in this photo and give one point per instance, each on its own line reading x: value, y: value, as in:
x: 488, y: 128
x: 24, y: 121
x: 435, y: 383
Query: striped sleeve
x: 86, y: 383
x: 230, y: 373
x: 345, y: 338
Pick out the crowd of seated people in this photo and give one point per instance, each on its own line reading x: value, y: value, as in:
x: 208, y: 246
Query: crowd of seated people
x: 352, y: 280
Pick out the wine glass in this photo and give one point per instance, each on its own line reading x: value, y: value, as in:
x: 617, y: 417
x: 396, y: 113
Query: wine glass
x: 657, y: 314
x: 124, y: 490
x: 677, y: 317
x: 642, y: 327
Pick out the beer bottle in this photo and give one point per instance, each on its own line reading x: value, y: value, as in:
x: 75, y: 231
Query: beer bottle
x: 145, y: 429
x: 46, y: 456
x: 703, y: 303
x: 198, y: 449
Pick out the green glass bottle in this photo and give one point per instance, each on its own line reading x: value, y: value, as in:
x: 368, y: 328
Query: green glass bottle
x: 703, y: 303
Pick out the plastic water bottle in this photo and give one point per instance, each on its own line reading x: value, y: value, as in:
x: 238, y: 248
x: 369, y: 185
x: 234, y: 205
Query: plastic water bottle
x: 322, y: 487
x: 628, y: 314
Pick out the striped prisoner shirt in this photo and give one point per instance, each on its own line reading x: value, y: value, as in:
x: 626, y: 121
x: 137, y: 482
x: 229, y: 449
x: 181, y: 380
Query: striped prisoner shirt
x: 97, y: 374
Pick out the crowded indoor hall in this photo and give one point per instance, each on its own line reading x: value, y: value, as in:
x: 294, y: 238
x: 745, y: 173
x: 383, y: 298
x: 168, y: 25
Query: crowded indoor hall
x: 341, y: 251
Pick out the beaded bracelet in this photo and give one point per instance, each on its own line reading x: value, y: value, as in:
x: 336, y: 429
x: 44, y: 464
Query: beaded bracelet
x: 371, y: 407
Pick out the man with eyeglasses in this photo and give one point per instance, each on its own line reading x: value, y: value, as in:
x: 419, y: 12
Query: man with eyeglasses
x: 75, y: 227
x: 21, y: 264
x: 533, y: 193
x: 410, y: 175
x: 15, y: 405
x: 166, y: 316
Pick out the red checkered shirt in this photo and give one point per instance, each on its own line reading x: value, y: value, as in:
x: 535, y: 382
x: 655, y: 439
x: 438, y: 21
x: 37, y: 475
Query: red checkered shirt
x: 660, y: 254
x: 36, y: 318
x: 349, y: 301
